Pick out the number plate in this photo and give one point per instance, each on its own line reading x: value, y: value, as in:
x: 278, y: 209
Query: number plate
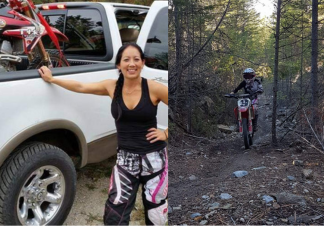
x: 244, y: 103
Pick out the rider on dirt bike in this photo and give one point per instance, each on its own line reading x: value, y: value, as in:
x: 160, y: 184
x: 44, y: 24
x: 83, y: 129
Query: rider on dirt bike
x: 253, y: 86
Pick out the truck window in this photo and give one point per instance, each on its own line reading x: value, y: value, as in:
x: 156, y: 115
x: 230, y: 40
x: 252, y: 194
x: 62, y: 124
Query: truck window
x: 85, y: 32
x: 56, y: 21
x: 130, y: 23
x: 156, y: 48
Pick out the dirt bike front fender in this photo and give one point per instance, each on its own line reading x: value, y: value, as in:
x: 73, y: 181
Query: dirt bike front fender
x: 245, y: 114
x: 60, y: 36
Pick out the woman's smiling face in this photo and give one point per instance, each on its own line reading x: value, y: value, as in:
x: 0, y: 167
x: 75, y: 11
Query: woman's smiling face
x: 131, y: 63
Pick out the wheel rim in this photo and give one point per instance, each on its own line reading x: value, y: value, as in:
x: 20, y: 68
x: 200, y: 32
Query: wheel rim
x: 41, y: 196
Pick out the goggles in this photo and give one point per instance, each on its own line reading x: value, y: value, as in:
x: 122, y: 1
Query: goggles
x: 248, y: 76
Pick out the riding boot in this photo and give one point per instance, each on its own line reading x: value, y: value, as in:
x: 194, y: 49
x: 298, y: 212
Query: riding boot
x: 255, y: 123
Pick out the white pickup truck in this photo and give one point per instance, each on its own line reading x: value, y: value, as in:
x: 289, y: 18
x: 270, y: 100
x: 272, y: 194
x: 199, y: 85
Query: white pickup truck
x: 44, y: 127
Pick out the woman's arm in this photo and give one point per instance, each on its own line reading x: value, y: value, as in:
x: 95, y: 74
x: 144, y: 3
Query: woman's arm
x: 158, y: 92
x: 240, y: 86
x: 98, y: 88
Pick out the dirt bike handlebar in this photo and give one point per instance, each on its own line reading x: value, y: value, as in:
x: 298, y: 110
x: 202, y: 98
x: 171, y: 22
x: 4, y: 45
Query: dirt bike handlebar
x: 237, y: 96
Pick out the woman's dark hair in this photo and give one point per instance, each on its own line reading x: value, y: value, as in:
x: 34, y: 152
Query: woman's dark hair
x: 120, y: 81
x: 122, y: 49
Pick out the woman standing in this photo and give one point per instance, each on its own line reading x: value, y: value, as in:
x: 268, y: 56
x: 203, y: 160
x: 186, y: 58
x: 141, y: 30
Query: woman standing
x: 142, y: 155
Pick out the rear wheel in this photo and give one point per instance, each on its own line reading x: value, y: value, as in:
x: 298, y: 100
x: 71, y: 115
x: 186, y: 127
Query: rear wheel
x: 246, y: 135
x: 38, y: 187
x: 55, y: 57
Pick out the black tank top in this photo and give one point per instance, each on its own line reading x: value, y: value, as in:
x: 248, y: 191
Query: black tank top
x: 133, y: 125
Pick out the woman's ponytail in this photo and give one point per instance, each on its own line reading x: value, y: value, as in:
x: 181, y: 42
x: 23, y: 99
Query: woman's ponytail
x: 118, y: 93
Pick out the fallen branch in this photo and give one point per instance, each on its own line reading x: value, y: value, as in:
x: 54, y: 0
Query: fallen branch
x: 311, y: 191
x: 300, y: 132
x: 312, y: 145
x: 196, y: 137
x: 295, y: 131
x: 260, y: 215
x: 299, y: 107
x: 289, y: 130
x: 219, y: 218
x: 317, y: 211
x: 314, y: 131
x: 233, y: 220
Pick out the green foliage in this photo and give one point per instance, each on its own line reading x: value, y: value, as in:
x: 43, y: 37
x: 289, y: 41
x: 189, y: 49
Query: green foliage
x: 91, y: 187
x: 282, y: 96
x: 93, y: 217
x: 104, y: 191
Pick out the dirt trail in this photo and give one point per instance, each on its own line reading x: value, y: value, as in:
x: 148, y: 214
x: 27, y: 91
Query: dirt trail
x: 201, y: 170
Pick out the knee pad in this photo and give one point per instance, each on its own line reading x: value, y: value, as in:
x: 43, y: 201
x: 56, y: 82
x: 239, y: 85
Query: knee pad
x: 156, y: 189
x: 158, y: 215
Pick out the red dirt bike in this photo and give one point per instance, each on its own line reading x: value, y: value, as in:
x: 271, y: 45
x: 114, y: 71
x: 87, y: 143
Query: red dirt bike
x: 244, y: 113
x: 21, y: 28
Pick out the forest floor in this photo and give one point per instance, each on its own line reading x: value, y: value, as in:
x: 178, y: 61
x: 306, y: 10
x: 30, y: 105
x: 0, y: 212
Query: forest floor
x: 277, y: 190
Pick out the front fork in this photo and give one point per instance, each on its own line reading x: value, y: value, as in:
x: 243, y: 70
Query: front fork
x: 250, y: 117
x: 240, y: 121
x: 41, y: 48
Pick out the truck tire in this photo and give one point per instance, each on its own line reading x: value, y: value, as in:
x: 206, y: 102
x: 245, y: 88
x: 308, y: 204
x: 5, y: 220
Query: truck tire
x: 38, y: 184
x: 56, y: 59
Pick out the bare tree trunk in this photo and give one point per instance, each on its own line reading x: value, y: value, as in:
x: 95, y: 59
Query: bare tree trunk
x: 178, y: 31
x: 302, y: 62
x: 185, y: 65
x: 275, y: 77
x: 190, y: 77
x: 302, y: 57
x: 314, y: 62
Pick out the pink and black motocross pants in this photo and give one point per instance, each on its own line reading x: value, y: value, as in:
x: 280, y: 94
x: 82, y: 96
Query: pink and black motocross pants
x: 131, y: 170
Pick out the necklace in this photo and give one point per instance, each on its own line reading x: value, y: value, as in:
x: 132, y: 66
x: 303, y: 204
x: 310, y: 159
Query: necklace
x: 130, y: 92
x: 138, y: 87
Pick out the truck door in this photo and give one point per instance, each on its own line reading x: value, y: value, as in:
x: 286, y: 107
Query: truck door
x: 153, y: 39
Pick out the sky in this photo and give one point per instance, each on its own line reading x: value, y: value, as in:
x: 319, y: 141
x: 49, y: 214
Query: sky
x: 264, y: 7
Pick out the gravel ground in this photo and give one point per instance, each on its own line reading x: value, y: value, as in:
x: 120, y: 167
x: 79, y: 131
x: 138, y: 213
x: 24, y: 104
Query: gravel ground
x: 91, y: 195
x: 284, y: 184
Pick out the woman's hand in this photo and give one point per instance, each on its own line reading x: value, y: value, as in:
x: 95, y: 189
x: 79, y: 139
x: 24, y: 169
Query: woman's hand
x: 155, y: 135
x: 46, y: 74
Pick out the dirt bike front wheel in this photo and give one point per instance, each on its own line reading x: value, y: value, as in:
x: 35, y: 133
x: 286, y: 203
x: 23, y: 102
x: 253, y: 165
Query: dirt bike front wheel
x: 246, y: 135
x: 56, y: 59
x: 251, y: 139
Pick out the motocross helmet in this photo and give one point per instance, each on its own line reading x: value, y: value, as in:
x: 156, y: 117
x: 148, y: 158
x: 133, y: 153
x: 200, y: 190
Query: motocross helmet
x: 249, y: 75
